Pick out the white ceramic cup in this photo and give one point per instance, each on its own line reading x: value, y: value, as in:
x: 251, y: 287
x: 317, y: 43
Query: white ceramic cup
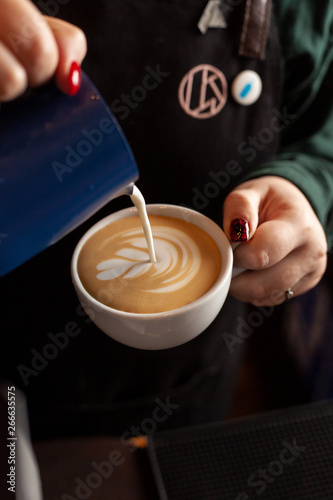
x: 165, y: 329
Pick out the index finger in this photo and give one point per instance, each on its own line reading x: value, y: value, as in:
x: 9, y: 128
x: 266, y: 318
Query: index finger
x: 72, y: 47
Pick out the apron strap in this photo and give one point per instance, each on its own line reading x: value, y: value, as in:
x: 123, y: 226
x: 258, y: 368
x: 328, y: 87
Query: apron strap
x: 255, y: 28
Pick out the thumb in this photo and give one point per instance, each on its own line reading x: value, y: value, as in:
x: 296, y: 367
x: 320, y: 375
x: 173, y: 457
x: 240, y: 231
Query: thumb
x: 72, y: 47
x: 241, y: 213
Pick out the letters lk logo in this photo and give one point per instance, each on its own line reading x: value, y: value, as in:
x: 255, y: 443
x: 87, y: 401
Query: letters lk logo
x: 202, y: 92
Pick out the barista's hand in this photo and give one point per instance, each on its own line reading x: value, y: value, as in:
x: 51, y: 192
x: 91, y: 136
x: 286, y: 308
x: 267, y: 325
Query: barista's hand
x: 34, y: 48
x: 287, y: 246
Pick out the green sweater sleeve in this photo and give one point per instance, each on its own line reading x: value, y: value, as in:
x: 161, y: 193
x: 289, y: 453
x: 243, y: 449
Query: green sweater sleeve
x: 306, y: 153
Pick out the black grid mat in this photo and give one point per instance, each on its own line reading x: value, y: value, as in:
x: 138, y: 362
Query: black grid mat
x: 285, y: 455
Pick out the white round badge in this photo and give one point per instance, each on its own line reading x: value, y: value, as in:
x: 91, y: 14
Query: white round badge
x: 246, y: 87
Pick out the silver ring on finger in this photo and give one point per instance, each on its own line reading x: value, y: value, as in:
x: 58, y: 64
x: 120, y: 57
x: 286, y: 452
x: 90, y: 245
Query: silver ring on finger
x: 289, y: 294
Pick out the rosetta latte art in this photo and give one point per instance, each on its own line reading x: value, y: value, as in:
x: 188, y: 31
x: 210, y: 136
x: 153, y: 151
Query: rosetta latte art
x: 178, y: 261
x: 114, y: 265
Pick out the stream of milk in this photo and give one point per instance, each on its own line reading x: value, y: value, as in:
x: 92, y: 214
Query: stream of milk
x: 139, y: 202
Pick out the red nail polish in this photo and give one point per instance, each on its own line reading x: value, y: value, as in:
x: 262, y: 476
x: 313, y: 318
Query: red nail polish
x: 239, y: 230
x: 74, y: 79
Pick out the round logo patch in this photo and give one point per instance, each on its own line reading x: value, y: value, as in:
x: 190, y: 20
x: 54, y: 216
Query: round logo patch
x: 203, y: 91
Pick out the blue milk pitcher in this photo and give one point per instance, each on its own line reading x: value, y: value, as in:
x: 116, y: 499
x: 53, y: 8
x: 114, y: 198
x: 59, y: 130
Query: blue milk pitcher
x: 61, y: 159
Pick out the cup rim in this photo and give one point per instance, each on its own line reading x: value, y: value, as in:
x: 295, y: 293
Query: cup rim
x: 223, y: 277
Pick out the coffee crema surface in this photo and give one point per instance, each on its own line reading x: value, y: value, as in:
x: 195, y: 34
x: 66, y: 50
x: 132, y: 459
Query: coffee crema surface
x: 114, y: 265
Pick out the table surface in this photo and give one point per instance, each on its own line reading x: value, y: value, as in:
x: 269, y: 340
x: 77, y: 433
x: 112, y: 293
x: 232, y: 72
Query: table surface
x: 98, y: 468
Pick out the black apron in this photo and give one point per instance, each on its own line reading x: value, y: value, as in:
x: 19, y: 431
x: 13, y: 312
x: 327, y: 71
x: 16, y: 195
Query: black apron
x: 150, y: 62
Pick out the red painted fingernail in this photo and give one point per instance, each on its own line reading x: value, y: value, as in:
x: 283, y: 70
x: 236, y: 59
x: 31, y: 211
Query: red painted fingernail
x: 239, y: 230
x: 74, y: 79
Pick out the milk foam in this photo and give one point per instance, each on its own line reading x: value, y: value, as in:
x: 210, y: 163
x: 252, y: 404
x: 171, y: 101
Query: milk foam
x: 114, y: 264
x: 178, y: 260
